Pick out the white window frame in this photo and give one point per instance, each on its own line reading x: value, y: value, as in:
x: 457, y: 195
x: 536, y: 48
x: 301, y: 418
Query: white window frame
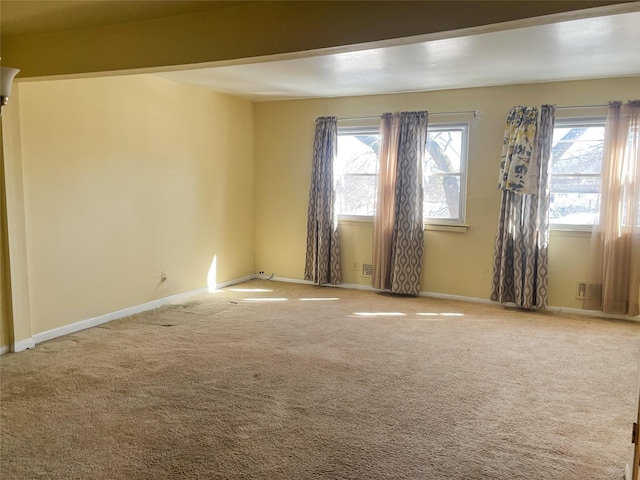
x: 444, y: 126
x: 568, y: 122
x: 464, y: 161
x: 360, y: 130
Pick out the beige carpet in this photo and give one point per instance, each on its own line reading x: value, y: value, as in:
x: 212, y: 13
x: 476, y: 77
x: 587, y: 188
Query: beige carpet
x: 234, y: 386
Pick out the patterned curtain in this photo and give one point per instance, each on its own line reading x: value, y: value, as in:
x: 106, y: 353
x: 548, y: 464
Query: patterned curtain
x: 322, y: 263
x: 403, y: 248
x: 517, y: 151
x: 520, y: 270
x: 614, y: 263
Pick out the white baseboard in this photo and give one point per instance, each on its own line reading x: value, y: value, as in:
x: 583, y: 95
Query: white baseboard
x: 359, y: 286
x: 125, y: 312
x: 173, y: 299
x: 95, y: 321
x: 445, y: 296
x: 309, y: 282
x: 287, y: 280
x: 460, y: 298
x: 235, y: 281
x: 23, y: 345
x: 593, y: 313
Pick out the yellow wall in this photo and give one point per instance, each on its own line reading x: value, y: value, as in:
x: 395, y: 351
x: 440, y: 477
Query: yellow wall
x: 125, y: 177
x: 18, y: 284
x: 456, y: 263
x: 5, y: 311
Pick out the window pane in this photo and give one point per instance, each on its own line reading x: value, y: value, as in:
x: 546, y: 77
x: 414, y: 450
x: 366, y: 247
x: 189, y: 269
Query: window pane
x: 444, y: 151
x: 575, y: 184
x: 355, y: 171
x: 441, y: 196
x: 357, y: 154
x: 576, y: 163
x: 577, y: 150
x: 356, y: 167
x: 444, y: 161
x: 593, y: 131
x: 574, y: 208
x: 355, y: 194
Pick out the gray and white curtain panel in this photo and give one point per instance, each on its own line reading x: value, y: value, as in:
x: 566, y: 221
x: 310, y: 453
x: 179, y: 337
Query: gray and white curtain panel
x: 398, y: 242
x: 520, y: 271
x: 322, y: 265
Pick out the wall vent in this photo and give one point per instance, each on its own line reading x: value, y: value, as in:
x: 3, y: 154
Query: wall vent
x: 367, y: 270
x: 586, y: 290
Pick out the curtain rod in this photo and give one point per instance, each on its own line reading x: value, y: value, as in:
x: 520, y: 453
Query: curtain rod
x: 474, y: 112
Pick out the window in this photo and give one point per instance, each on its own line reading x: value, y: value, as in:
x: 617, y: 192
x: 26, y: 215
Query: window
x: 576, y: 164
x: 355, y: 171
x: 444, y: 172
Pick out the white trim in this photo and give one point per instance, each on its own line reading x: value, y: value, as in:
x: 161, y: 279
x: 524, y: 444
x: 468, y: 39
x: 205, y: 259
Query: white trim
x: 592, y: 313
x: 571, y: 228
x: 95, y: 321
x: 573, y: 311
x: 555, y: 232
x: 368, y: 125
x: 5, y: 349
x: 290, y: 280
x: 108, y: 317
x: 446, y: 227
x: 344, y: 218
x: 246, y: 278
x: 441, y: 224
x: 180, y: 297
x: 486, y: 301
x: 23, y: 345
x: 356, y: 286
x: 460, y: 298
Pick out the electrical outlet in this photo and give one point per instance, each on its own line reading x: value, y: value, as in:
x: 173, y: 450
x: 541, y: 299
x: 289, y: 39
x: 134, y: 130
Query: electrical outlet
x: 163, y: 276
x: 355, y: 265
x: 261, y: 272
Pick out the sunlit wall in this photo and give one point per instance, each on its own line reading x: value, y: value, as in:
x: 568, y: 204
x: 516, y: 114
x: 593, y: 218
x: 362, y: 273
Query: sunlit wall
x: 125, y: 178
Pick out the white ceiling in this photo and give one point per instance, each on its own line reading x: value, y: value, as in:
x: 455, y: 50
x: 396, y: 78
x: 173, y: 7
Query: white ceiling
x: 599, y: 47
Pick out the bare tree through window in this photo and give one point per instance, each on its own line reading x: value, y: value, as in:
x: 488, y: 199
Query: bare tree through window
x: 356, y: 168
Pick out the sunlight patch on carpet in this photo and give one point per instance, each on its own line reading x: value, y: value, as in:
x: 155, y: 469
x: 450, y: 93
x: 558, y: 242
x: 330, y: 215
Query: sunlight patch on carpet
x: 318, y: 299
x: 266, y: 299
x: 249, y: 290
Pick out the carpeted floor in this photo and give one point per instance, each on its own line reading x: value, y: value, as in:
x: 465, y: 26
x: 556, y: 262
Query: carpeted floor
x: 267, y: 380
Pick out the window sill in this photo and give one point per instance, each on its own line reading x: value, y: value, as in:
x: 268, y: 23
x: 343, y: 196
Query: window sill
x: 569, y: 232
x: 354, y: 218
x: 438, y: 227
x: 458, y: 228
